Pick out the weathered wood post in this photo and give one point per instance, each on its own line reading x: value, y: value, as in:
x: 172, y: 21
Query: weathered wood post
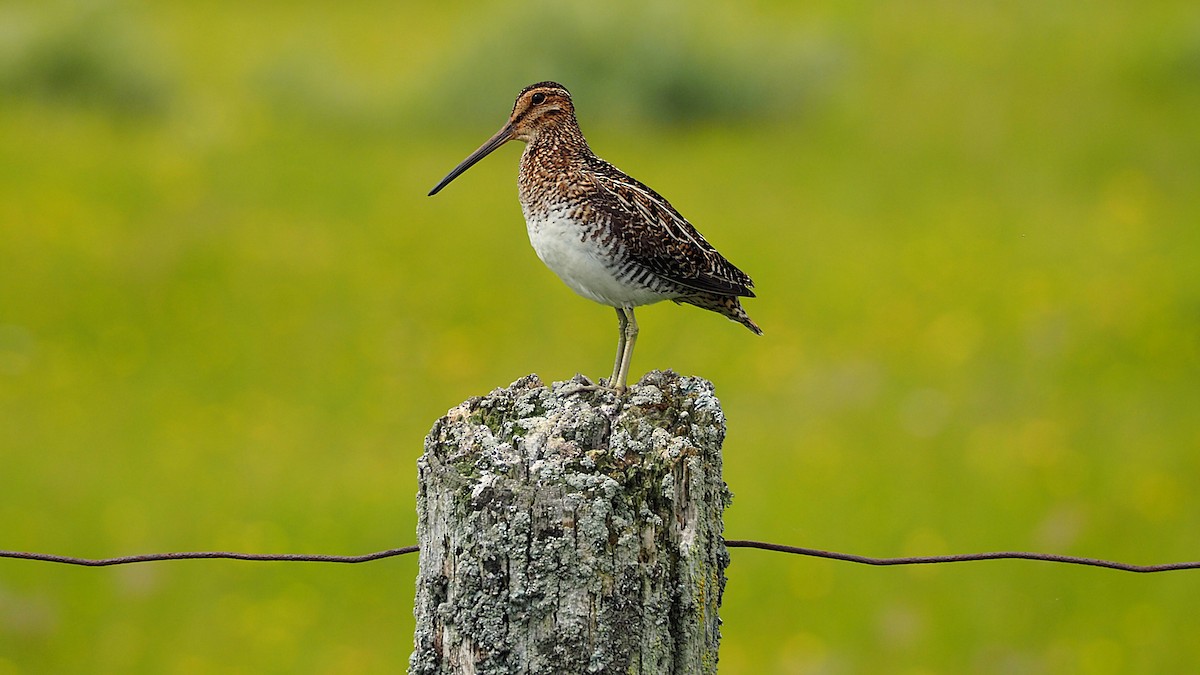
x: 573, y: 533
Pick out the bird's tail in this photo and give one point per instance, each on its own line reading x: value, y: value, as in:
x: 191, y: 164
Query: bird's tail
x: 729, y: 306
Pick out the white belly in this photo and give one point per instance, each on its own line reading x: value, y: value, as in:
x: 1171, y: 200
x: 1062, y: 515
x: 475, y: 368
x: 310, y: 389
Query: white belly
x: 580, y: 262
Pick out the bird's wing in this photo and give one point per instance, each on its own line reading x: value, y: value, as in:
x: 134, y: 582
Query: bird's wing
x: 661, y: 240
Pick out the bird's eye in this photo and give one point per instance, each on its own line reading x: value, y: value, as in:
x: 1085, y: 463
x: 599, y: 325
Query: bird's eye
x: 538, y: 98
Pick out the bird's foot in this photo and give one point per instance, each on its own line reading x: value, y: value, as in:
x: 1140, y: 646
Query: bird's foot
x: 587, y: 388
x: 581, y: 385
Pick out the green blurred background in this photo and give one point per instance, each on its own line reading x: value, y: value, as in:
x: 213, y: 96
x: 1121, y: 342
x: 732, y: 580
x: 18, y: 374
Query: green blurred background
x: 229, y: 313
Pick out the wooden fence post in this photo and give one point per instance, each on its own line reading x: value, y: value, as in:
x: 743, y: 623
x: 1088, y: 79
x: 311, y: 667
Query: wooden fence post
x: 573, y: 533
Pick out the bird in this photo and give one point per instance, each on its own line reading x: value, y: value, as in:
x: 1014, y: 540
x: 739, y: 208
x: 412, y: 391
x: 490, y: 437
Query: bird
x: 608, y: 236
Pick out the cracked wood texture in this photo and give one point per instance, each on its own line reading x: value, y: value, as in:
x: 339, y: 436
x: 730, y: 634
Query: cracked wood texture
x: 570, y: 532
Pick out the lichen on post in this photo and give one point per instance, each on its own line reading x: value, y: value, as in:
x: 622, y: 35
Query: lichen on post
x: 573, y: 532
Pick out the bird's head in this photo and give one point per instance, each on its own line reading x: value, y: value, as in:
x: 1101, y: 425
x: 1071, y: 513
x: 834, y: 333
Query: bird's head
x: 538, y: 107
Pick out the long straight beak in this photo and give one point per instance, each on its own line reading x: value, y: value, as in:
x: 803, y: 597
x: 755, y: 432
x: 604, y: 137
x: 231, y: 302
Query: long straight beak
x: 503, y: 136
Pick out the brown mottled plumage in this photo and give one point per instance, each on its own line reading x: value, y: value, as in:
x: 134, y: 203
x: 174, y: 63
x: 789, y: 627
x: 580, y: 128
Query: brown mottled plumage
x: 608, y: 236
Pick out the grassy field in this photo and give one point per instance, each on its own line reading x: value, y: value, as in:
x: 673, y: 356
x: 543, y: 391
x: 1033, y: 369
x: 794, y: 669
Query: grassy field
x: 229, y: 314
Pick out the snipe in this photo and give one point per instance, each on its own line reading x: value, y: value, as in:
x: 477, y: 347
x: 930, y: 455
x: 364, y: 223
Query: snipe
x: 606, y: 235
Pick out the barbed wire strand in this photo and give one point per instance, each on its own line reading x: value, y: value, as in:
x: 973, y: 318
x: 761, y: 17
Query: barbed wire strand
x: 962, y: 557
x: 208, y: 555
x: 731, y: 543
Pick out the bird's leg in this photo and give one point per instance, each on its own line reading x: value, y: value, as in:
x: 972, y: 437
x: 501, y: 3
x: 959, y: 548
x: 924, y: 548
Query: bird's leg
x: 621, y: 323
x: 629, y: 335
x: 617, y: 381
